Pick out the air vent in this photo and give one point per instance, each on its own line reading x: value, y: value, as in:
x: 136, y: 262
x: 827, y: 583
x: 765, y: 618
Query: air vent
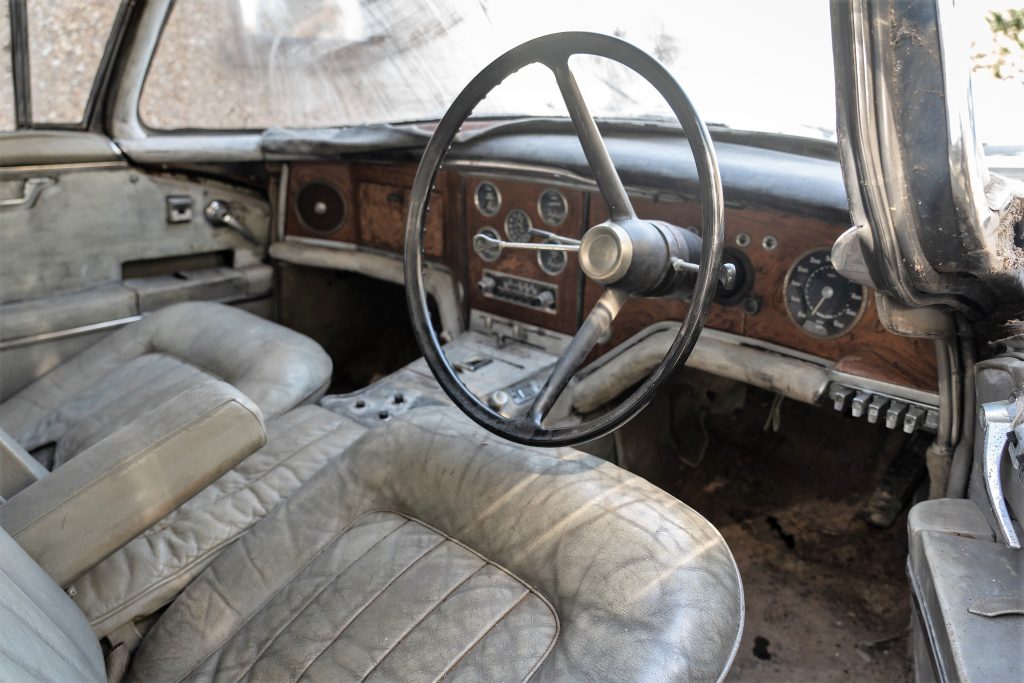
x: 321, y: 208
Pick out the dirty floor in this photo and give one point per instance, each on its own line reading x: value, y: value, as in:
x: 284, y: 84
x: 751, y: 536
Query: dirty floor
x: 826, y: 594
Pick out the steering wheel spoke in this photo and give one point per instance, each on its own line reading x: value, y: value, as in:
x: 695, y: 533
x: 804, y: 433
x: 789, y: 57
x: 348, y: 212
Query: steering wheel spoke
x: 597, y: 323
x: 607, y: 178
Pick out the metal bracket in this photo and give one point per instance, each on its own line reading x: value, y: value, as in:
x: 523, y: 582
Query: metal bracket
x: 996, y: 421
x: 29, y: 193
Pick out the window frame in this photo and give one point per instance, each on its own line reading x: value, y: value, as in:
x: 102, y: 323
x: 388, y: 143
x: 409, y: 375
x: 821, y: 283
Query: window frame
x: 22, y: 73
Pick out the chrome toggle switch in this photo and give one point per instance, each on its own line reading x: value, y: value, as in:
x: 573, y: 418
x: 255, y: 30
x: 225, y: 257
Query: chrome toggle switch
x: 860, y: 403
x: 894, y: 415
x: 913, y: 419
x: 875, y: 408
x: 840, y: 396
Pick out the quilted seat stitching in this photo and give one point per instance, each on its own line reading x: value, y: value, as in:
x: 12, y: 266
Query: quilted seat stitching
x: 483, y: 634
x: 371, y: 601
x: 216, y: 648
x: 422, y: 618
x: 312, y: 599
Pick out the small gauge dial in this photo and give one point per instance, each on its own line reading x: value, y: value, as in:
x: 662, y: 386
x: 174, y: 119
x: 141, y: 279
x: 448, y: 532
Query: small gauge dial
x: 551, y: 262
x: 487, y: 199
x: 820, y: 300
x: 518, y: 226
x: 487, y: 252
x: 552, y: 207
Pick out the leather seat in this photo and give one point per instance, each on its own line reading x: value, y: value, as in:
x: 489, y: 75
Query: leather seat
x: 143, y: 576
x: 143, y: 364
x: 428, y: 548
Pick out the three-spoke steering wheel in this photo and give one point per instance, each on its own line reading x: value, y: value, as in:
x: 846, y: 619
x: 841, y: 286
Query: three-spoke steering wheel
x: 627, y: 255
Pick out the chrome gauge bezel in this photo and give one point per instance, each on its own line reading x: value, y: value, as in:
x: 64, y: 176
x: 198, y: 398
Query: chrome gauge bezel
x: 476, y: 199
x: 529, y: 225
x: 540, y: 207
x: 785, y: 294
x: 551, y: 271
x: 492, y: 233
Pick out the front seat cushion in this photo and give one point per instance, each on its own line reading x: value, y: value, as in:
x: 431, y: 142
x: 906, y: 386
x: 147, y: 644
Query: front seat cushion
x: 432, y: 548
x: 138, y: 367
x: 151, y: 570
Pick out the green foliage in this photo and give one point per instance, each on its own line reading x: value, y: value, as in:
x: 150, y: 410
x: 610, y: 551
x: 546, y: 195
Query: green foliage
x: 1008, y: 34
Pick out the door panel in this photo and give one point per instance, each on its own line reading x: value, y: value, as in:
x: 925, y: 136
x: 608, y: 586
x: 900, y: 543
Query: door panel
x: 95, y: 246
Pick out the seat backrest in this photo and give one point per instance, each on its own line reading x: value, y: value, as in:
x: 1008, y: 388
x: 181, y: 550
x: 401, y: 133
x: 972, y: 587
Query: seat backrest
x: 277, y: 368
x: 45, y: 637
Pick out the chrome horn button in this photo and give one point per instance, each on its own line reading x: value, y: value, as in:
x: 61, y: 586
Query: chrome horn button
x: 606, y: 253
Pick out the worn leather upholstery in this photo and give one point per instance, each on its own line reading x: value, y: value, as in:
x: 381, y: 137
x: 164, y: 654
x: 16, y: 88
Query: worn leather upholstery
x: 143, y: 364
x: 18, y: 469
x: 151, y: 570
x: 75, y: 517
x: 360, y: 573
x: 43, y: 636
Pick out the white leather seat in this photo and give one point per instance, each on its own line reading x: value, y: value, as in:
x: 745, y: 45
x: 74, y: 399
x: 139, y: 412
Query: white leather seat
x: 143, y: 364
x: 428, y: 548
x: 151, y: 570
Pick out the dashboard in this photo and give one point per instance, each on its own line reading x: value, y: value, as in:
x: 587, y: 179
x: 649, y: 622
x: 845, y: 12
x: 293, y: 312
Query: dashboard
x: 791, y: 297
x: 789, y: 302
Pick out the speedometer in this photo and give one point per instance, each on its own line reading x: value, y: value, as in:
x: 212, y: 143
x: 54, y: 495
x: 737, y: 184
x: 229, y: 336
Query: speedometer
x: 518, y: 226
x: 820, y: 300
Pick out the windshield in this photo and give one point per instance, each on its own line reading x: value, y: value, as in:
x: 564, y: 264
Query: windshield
x: 254, y: 64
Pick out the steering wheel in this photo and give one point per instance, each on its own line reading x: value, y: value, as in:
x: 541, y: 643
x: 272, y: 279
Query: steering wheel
x: 627, y: 255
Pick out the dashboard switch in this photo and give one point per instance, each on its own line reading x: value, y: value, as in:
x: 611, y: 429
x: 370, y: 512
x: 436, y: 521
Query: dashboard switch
x: 498, y: 399
x: 487, y: 284
x: 875, y: 408
x: 840, y: 396
x: 913, y: 419
x: 894, y: 416
x: 544, y: 300
x: 860, y: 403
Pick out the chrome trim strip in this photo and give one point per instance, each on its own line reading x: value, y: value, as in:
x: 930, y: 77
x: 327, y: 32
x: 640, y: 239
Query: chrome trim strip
x: 553, y: 175
x: 70, y: 332
x: 282, y: 202
x: 329, y: 244
x: 42, y: 169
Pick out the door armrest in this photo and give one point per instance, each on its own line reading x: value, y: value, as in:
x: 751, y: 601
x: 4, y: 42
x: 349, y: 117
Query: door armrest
x: 110, y: 493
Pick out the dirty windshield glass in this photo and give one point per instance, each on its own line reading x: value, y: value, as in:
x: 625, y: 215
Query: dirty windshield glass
x: 252, y: 64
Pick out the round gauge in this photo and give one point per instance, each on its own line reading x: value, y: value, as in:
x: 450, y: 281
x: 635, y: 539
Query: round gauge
x: 487, y: 199
x: 552, y: 207
x: 820, y: 300
x: 518, y: 226
x: 487, y: 252
x: 551, y: 262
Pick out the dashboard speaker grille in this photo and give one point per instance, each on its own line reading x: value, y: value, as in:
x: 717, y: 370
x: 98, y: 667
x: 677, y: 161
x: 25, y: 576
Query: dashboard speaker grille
x: 321, y: 208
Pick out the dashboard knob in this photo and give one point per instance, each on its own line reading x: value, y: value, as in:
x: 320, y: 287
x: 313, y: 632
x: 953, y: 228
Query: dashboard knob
x: 487, y: 284
x: 544, y: 300
x: 498, y: 399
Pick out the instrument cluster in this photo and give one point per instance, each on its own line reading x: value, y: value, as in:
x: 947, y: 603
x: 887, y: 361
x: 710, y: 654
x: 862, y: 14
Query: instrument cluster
x: 552, y: 207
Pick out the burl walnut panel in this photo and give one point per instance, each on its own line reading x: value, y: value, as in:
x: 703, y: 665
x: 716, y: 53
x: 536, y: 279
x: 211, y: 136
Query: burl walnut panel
x: 524, y: 195
x: 377, y: 204
x: 867, y: 350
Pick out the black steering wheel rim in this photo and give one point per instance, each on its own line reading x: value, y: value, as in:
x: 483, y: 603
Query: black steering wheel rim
x: 555, y: 50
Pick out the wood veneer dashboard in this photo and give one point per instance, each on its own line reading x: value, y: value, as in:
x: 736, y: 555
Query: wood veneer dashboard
x: 375, y: 202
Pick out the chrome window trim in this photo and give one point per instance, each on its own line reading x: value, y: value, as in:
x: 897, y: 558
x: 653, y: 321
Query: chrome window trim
x: 70, y: 332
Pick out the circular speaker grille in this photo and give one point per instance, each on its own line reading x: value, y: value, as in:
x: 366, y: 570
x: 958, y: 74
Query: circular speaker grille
x: 320, y: 207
